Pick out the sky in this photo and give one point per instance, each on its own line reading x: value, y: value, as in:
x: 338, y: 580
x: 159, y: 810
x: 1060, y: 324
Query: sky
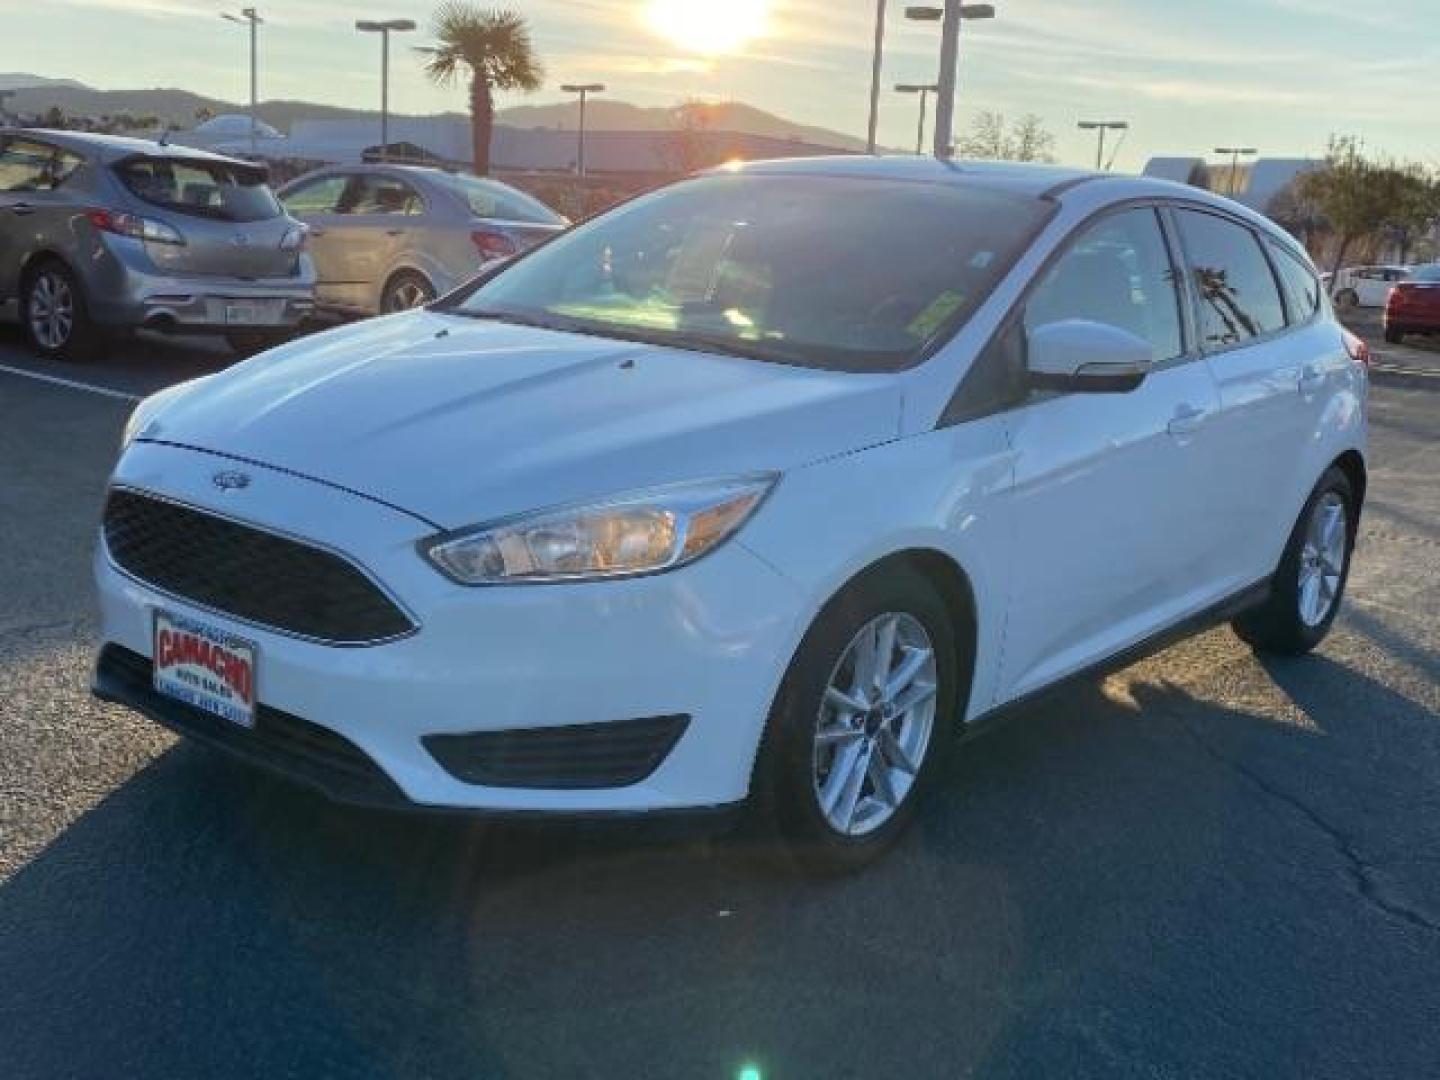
x: 1279, y: 75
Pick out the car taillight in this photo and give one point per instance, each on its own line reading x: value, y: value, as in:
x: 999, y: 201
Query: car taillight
x: 134, y: 226
x: 493, y: 245
x: 1357, y: 348
x: 296, y: 238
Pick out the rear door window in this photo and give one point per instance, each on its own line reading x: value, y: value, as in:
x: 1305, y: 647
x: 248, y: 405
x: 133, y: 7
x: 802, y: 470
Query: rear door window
x: 370, y: 194
x: 198, y: 188
x: 28, y: 165
x: 1239, y: 297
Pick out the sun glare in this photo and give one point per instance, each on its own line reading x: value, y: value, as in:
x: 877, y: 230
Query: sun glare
x: 708, y: 26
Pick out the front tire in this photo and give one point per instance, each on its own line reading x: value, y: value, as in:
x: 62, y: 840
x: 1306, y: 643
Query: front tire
x: 1310, y: 583
x: 1347, y: 300
x: 861, y: 722
x: 56, y: 316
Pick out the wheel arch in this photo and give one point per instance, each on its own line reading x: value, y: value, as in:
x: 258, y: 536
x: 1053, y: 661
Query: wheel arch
x: 402, y: 269
x: 1352, y: 464
x: 953, y: 584
x: 34, y: 259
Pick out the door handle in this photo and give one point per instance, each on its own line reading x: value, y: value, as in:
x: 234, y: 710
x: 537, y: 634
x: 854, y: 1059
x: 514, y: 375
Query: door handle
x: 21, y: 209
x: 394, y: 232
x: 1311, y: 379
x: 316, y: 232
x: 1187, y: 420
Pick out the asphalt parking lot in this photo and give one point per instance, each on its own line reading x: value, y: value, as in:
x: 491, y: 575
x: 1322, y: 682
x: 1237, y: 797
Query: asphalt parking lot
x: 1207, y: 865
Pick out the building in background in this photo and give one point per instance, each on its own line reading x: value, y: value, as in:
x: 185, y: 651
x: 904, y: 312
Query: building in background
x: 1256, y: 184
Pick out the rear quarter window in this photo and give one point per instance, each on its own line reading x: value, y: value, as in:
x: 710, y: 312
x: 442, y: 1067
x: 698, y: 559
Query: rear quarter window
x: 1302, y: 287
x: 208, y: 189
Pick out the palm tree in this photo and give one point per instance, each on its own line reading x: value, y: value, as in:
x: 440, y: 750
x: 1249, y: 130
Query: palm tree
x: 493, y: 47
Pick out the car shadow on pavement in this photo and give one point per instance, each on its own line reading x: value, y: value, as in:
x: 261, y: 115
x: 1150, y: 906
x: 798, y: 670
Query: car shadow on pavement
x: 1101, y: 885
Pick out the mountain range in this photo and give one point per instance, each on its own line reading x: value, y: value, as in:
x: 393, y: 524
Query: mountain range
x: 35, y: 94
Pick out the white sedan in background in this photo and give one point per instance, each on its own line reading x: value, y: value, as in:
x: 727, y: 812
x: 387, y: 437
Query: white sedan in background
x: 1365, y: 286
x: 753, y: 492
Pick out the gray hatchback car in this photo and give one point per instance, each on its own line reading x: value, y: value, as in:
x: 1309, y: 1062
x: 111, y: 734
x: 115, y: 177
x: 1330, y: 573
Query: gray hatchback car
x: 390, y: 237
x: 100, y: 235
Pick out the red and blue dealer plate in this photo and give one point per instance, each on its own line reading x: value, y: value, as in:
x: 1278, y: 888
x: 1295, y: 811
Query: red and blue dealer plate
x: 205, y: 667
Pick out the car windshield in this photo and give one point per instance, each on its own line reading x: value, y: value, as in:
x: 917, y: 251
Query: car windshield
x: 839, y: 273
x: 488, y: 199
x: 211, y: 189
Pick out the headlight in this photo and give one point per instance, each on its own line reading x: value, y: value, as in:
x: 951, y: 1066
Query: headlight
x: 639, y: 533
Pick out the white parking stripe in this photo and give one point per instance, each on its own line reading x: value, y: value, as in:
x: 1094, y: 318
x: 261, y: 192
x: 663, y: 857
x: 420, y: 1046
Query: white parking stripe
x: 1398, y: 369
x: 55, y: 380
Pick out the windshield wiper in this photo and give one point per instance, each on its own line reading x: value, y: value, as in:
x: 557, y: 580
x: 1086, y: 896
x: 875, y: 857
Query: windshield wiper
x: 668, y: 339
x: 541, y: 322
x: 694, y: 341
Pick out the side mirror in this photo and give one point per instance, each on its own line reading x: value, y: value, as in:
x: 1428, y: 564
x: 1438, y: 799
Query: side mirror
x: 1087, y: 357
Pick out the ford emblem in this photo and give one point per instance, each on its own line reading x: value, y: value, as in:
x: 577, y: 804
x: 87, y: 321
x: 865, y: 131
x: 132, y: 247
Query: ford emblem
x: 231, y: 481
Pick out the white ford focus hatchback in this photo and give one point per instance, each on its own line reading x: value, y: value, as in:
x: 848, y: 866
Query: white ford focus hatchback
x: 755, y: 490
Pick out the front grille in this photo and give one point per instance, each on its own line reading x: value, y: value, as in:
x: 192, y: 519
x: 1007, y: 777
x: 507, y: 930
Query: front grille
x: 577, y: 756
x: 286, y: 744
x: 248, y: 573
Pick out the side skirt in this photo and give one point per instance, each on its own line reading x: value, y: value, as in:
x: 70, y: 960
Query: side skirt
x: 1237, y: 604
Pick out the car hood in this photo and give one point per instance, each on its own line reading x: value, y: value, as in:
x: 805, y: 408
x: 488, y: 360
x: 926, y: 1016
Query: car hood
x: 459, y: 421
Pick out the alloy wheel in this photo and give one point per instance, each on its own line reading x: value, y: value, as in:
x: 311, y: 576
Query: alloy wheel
x: 875, y: 724
x: 407, y: 295
x: 51, y: 310
x: 1322, y: 559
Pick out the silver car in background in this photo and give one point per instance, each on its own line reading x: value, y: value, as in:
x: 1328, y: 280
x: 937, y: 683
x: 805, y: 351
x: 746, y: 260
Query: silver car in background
x: 101, y: 235
x: 391, y: 237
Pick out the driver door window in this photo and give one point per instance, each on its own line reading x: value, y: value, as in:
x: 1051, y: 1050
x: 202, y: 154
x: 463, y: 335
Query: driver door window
x: 1117, y: 272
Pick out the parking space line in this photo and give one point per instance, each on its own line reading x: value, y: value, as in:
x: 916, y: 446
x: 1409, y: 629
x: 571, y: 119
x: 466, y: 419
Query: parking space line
x: 1400, y: 369
x: 72, y: 384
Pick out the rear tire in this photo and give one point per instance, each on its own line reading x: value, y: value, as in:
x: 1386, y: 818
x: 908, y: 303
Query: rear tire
x: 406, y: 291
x: 1394, y: 337
x: 1347, y: 300
x: 56, y: 316
x: 1310, y: 583
x: 823, y: 762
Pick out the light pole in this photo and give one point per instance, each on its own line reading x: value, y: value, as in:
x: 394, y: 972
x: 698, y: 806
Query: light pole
x: 251, y: 16
x: 875, y: 65
x: 384, y: 29
x: 951, y: 16
x: 584, y: 90
x: 1235, y: 153
x: 924, y: 90
x: 1102, y: 126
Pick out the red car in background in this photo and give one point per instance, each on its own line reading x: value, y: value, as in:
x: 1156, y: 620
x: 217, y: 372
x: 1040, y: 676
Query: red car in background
x: 1414, y: 305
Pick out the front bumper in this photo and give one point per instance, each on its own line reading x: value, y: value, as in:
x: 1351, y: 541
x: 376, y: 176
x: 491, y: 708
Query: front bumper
x: 708, y: 643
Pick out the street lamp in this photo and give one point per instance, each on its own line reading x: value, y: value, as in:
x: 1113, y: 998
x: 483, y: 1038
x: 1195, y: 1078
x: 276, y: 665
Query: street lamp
x: 924, y: 90
x: 1235, y: 153
x: 251, y: 16
x: 950, y: 16
x: 384, y: 29
x: 584, y: 90
x: 875, y: 63
x: 1102, y: 126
